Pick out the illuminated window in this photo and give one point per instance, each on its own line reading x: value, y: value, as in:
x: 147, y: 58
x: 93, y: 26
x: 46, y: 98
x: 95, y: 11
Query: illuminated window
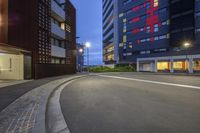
x: 180, y: 65
x: 121, y: 15
x: 196, y: 65
x: 163, y: 66
x: 124, y: 39
x: 62, y: 25
x: 148, y: 29
x: 156, y: 28
x: 110, y: 57
x: 155, y: 3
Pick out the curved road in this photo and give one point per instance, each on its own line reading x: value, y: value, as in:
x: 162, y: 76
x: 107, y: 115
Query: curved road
x: 108, y: 105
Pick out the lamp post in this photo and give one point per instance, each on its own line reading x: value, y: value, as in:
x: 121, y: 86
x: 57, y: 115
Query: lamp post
x: 80, y: 53
x: 88, y: 45
x: 186, y: 45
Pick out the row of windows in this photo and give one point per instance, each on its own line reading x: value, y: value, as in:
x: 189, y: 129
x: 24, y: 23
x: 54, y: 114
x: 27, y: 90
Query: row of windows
x: 127, y: 2
x: 55, y: 60
x: 59, y: 43
x: 145, y: 52
x: 145, y: 16
x: 148, y: 28
x: 146, y: 5
x: 144, y: 40
x: 156, y: 38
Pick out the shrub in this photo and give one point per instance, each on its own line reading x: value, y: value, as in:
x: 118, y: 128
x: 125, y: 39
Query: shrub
x: 115, y: 69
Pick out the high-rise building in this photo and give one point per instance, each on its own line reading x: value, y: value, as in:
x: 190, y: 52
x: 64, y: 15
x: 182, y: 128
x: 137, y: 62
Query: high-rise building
x: 197, y: 20
x: 159, y: 35
x: 38, y: 38
x: 141, y: 24
x: 110, y: 31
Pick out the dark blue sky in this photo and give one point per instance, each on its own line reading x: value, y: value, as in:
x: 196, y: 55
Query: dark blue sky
x: 89, y: 26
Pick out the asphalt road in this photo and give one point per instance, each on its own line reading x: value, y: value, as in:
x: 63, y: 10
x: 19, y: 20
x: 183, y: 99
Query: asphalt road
x: 108, y: 105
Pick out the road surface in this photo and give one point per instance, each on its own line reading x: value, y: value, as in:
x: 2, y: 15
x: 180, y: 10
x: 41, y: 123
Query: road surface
x: 134, y: 103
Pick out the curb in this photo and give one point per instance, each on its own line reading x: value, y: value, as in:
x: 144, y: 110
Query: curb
x: 41, y: 127
x: 55, y: 121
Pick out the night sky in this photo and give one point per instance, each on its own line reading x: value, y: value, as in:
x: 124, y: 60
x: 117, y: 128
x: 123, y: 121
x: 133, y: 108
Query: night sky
x: 89, y: 26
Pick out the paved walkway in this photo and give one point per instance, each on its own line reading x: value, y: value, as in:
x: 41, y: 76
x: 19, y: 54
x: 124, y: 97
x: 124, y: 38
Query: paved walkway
x: 10, y: 93
x: 5, y: 83
x: 27, y: 113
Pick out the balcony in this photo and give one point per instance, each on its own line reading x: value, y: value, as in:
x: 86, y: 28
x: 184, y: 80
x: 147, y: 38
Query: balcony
x: 57, y: 12
x: 57, y: 31
x: 58, y: 51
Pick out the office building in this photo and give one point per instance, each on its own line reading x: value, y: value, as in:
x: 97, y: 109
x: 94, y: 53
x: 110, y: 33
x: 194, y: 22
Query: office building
x: 38, y: 38
x: 159, y: 35
x: 110, y: 31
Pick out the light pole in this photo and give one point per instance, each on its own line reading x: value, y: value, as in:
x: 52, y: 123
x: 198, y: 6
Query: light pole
x: 88, y: 45
x: 80, y: 54
x: 186, y: 45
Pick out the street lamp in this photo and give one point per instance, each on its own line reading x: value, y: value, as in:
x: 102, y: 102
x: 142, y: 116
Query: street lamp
x: 88, y: 45
x: 80, y: 54
x: 186, y: 46
x: 81, y: 50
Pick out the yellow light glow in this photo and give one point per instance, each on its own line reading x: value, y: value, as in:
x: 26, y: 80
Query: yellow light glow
x: 196, y: 65
x: 155, y: 3
x: 187, y: 44
x: 81, y: 50
x: 110, y: 57
x: 62, y: 26
x: 163, y: 66
x: 180, y: 65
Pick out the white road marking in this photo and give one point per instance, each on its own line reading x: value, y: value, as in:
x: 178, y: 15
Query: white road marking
x: 153, y: 82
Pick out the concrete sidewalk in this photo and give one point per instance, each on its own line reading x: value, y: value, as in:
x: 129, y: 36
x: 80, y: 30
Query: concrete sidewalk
x: 27, y: 113
x: 5, y: 83
x: 10, y: 93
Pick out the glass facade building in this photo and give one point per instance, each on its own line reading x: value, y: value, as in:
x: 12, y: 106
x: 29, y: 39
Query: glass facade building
x: 159, y: 35
x: 110, y: 31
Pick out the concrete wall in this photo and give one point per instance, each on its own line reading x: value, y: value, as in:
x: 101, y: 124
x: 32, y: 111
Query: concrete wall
x: 11, y: 66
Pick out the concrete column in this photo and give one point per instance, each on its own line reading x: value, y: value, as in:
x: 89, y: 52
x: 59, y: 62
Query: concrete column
x: 138, y: 66
x: 155, y: 65
x: 171, y: 65
x: 190, y: 65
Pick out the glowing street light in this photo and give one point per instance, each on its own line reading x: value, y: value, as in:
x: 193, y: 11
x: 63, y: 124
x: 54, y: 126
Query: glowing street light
x: 88, y: 45
x: 81, y: 50
x: 187, y: 44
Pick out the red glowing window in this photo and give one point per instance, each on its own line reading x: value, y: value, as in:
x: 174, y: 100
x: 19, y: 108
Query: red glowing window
x: 135, y: 31
x: 135, y: 8
x: 135, y: 20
